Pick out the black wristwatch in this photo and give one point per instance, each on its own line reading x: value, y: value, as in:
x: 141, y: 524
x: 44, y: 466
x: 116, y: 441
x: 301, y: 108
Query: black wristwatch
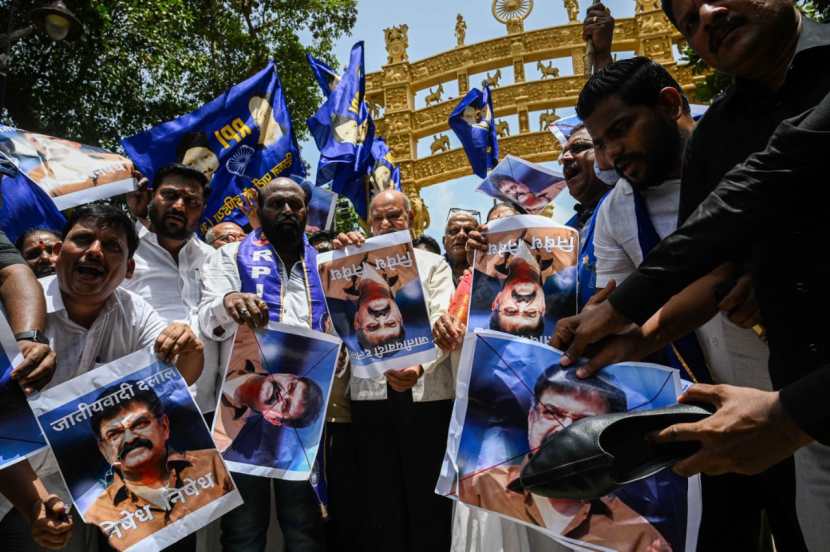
x: 32, y: 335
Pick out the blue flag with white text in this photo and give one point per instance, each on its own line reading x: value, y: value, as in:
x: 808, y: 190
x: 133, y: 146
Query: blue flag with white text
x: 240, y: 140
x: 473, y: 122
x: 343, y: 132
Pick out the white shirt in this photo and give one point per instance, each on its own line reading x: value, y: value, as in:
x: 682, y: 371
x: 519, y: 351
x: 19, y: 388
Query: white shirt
x: 174, y: 289
x: 734, y: 355
x: 438, y: 381
x: 220, y: 276
x: 126, y: 324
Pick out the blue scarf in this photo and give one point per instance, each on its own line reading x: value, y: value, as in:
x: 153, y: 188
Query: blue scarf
x: 685, y: 353
x: 261, y: 275
x: 587, y: 262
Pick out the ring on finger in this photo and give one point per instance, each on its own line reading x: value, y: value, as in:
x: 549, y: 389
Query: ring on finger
x: 244, y: 313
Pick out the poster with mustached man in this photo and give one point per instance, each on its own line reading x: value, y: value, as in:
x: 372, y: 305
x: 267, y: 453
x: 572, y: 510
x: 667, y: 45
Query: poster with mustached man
x: 526, y: 281
x: 376, y: 303
x: 135, y: 453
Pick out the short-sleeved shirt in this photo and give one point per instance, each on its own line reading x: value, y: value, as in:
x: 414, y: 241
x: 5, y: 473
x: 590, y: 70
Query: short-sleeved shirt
x: 9, y: 255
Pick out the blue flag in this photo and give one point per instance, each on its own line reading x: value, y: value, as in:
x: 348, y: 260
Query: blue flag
x: 241, y: 140
x: 386, y: 174
x: 473, y: 122
x: 325, y: 75
x: 344, y: 132
x: 25, y: 206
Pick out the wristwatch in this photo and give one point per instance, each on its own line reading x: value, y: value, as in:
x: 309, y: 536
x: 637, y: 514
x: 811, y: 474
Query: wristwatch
x: 32, y: 335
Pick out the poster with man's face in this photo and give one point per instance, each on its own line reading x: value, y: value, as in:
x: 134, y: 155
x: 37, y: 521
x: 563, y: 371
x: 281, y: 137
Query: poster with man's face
x: 526, y: 280
x: 512, y: 394
x: 376, y: 303
x: 135, y: 453
x: 70, y: 173
x: 20, y: 435
x: 529, y: 186
x: 273, y: 399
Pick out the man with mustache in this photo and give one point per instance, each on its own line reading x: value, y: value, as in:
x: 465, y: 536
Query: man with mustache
x: 460, y: 223
x: 401, y: 418
x: 169, y: 259
x: 91, y: 321
x: 270, y: 275
x: 223, y: 233
x: 133, y: 437
x: 560, y: 399
x: 519, y: 308
x: 38, y: 249
x: 638, y: 117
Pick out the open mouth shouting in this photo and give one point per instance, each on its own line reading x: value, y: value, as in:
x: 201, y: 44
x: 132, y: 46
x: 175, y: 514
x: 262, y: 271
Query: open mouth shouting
x: 90, y: 271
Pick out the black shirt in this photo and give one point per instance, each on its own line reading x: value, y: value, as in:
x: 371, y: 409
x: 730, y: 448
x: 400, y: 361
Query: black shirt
x: 741, y: 121
x: 9, y: 255
x: 753, y: 207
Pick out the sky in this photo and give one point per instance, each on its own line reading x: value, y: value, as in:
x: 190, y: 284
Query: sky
x: 431, y: 31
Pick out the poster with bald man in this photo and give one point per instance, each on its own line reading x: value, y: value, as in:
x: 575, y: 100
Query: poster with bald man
x: 512, y: 396
x: 272, y: 403
x: 526, y: 280
x: 135, y: 453
x: 376, y: 303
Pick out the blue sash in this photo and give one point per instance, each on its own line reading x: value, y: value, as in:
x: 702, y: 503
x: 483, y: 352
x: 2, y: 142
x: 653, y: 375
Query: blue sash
x: 260, y: 274
x: 587, y: 262
x: 685, y: 353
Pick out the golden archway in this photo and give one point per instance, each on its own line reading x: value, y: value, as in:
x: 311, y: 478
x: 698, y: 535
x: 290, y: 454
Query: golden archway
x: 391, y: 91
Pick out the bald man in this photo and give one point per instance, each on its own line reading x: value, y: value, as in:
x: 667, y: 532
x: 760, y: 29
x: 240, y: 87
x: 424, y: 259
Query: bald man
x: 270, y: 275
x: 401, y: 419
x: 224, y: 233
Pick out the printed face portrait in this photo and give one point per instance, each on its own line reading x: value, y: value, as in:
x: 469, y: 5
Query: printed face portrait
x: 378, y: 319
x: 134, y: 439
x: 263, y: 115
x: 282, y: 399
x: 345, y: 129
x: 383, y: 176
x: 202, y: 159
x: 39, y: 251
x: 519, y: 308
x: 556, y: 409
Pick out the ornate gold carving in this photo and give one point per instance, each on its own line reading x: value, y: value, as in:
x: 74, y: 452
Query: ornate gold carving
x: 506, y: 11
x: 420, y: 214
x: 647, y: 5
x: 547, y: 70
x: 572, y: 7
x: 440, y: 144
x: 396, y: 43
x: 502, y: 129
x: 434, y: 97
x: 460, y: 30
x: 547, y: 118
x: 492, y: 82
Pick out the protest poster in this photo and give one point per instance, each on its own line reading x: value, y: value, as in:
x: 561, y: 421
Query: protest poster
x: 20, y: 436
x: 272, y: 404
x: 376, y: 303
x: 526, y: 280
x: 529, y: 186
x: 70, y: 173
x: 240, y: 140
x: 135, y: 452
x: 512, y: 393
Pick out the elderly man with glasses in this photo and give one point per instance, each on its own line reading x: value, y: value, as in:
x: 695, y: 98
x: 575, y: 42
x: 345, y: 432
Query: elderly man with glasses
x: 460, y: 222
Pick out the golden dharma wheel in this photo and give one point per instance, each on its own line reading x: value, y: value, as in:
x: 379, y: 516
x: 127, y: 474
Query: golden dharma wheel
x: 511, y: 10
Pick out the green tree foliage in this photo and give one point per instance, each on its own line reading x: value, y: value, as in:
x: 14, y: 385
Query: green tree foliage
x: 141, y: 62
x: 716, y: 82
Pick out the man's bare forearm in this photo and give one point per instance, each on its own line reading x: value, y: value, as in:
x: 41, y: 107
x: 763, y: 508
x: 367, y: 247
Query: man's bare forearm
x: 20, y: 484
x: 22, y: 298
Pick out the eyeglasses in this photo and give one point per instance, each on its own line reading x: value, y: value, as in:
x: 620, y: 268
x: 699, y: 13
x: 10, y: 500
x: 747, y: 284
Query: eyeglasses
x: 172, y: 196
x: 472, y: 212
